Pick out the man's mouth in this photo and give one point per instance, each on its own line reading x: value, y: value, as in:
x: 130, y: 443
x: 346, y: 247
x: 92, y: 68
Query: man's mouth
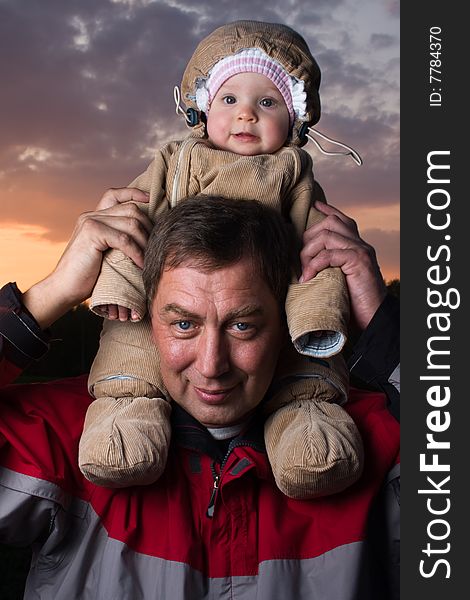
x: 214, y: 396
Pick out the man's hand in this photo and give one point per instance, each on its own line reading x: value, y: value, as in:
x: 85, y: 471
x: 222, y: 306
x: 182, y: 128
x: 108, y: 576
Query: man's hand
x: 335, y: 242
x: 116, y: 223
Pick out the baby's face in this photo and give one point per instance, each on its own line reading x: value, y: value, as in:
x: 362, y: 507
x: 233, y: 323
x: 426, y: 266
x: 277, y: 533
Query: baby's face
x: 248, y: 116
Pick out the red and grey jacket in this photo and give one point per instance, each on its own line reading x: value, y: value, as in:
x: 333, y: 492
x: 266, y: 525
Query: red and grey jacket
x: 214, y: 526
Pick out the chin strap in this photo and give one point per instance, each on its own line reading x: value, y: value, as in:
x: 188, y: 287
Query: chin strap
x: 177, y: 97
x: 191, y: 115
x: 350, y: 151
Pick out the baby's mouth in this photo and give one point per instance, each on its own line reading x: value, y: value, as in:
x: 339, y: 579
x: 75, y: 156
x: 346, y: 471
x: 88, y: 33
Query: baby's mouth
x: 245, y: 136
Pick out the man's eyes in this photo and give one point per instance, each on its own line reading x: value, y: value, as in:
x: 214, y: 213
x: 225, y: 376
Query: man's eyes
x: 183, y: 325
x: 243, y: 328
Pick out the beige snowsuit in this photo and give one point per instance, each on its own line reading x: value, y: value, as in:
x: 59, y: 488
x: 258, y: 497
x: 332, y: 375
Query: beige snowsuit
x: 127, y: 428
x: 283, y: 181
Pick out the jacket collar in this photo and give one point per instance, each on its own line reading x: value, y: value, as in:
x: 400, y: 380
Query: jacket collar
x: 191, y: 434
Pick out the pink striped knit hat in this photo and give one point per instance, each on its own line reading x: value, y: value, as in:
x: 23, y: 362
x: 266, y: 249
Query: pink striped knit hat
x: 253, y: 60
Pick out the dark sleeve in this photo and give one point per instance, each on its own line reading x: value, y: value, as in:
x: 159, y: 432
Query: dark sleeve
x: 21, y: 338
x: 375, y: 358
x: 383, y: 540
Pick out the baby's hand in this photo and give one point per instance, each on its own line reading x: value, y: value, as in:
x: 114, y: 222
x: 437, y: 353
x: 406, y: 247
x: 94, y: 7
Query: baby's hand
x: 115, y: 312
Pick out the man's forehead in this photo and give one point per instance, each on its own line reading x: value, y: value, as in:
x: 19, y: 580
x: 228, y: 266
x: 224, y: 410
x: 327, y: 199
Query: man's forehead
x: 204, y: 275
x: 237, y: 289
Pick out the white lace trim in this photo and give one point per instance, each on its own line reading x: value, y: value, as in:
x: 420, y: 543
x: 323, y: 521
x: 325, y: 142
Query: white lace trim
x: 297, y: 86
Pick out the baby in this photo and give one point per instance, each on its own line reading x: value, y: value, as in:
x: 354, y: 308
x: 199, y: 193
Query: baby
x: 251, y: 91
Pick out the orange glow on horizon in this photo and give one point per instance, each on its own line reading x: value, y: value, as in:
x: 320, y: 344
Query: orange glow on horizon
x: 27, y: 257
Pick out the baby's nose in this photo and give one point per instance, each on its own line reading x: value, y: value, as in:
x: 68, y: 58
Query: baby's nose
x: 247, y: 112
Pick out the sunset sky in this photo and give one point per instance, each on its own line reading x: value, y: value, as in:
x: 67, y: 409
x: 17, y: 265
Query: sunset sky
x: 86, y: 95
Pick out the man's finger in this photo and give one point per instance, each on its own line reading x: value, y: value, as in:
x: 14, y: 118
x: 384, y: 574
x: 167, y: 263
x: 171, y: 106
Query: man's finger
x: 115, y: 196
x: 126, y: 209
x: 325, y: 240
x: 331, y: 224
x: 127, y: 245
x: 323, y: 260
x: 131, y: 226
x: 331, y: 211
x: 104, y: 237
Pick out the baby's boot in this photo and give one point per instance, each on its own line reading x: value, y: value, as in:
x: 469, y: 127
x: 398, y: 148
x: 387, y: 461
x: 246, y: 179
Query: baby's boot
x: 125, y: 441
x: 313, y: 445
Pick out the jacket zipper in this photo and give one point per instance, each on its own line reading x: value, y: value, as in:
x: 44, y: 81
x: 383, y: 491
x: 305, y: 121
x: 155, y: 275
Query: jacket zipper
x: 216, y: 476
x: 215, y: 488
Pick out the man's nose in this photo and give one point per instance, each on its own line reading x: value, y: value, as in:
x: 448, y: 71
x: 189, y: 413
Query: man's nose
x: 213, y: 354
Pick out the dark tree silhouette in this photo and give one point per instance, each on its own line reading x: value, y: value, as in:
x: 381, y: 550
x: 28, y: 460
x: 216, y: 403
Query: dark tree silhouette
x: 393, y: 286
x: 74, y: 343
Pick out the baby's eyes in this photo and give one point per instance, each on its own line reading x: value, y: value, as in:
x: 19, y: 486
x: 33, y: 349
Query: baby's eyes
x: 267, y: 102
x: 229, y: 99
x: 264, y: 102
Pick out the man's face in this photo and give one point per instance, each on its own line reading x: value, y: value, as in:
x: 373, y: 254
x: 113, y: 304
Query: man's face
x: 219, y: 335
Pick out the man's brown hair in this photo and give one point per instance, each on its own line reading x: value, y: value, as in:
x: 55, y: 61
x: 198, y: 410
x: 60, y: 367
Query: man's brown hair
x: 210, y: 232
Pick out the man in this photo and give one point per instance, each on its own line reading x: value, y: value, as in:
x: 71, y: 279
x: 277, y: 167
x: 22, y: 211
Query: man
x: 215, y: 525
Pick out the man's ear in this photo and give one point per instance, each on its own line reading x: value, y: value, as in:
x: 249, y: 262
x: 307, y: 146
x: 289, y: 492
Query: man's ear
x: 154, y: 341
x: 149, y: 314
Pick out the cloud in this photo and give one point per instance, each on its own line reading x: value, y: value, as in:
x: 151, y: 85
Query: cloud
x: 36, y: 154
x: 393, y: 7
x: 381, y: 40
x: 87, y: 93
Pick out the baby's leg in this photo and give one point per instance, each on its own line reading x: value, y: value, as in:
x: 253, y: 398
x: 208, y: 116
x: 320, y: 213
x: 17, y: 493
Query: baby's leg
x: 127, y: 428
x: 313, y: 445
